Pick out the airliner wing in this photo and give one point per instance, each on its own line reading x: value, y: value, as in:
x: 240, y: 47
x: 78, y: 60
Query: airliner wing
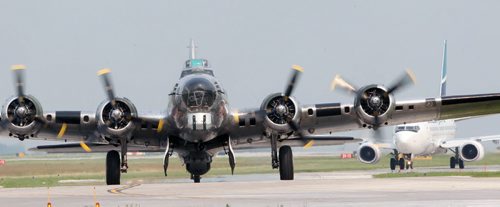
x: 459, y: 142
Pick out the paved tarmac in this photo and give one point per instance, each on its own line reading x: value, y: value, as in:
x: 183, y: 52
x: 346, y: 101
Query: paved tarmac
x: 353, y: 188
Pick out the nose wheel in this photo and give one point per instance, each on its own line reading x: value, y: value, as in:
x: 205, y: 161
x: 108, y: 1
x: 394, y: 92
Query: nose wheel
x: 396, y: 160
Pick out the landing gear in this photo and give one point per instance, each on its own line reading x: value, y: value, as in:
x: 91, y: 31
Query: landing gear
x: 397, y: 161
x: 456, y: 160
x: 285, y: 160
x: 393, y: 163
x: 124, y: 165
x: 113, y: 168
x: 409, y: 164
x: 196, y: 178
x: 453, y: 162
x: 401, y: 163
x: 286, y: 163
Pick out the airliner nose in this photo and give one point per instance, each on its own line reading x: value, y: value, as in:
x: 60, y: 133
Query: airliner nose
x: 405, y: 141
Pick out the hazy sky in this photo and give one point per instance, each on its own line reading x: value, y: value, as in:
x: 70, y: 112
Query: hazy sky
x: 251, y: 46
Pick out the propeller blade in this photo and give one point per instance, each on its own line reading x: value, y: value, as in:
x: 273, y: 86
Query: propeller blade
x: 293, y: 80
x: 108, y: 86
x: 62, y: 131
x: 19, y: 78
x: 85, y: 147
x: 309, y: 144
x: 343, y: 84
x: 406, y: 79
x: 160, y: 126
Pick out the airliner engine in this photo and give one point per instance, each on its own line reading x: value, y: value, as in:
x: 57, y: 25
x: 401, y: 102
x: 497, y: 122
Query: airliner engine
x: 472, y: 151
x: 368, y: 153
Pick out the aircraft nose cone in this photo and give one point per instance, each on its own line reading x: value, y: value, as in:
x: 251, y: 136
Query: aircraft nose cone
x: 405, y: 141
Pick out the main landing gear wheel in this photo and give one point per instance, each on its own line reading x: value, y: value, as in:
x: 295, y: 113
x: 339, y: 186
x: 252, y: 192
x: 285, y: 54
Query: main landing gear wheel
x: 286, y: 163
x: 393, y: 164
x: 401, y: 163
x: 453, y: 162
x: 461, y: 163
x: 196, y: 178
x: 113, y: 168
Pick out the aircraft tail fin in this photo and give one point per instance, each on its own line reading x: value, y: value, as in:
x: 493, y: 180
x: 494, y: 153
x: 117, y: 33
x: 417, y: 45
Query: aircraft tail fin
x: 192, y: 50
x: 444, y: 71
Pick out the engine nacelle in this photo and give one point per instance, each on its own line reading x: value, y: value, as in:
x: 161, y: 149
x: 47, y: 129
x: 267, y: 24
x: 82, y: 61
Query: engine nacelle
x: 117, y: 121
x: 20, y: 117
x: 472, y: 151
x: 368, y: 153
x: 374, y: 105
x: 279, y: 111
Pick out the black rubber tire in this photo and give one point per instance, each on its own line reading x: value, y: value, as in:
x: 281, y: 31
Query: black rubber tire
x: 461, y: 164
x: 196, y: 178
x: 113, y: 168
x: 392, y: 163
x: 407, y: 165
x: 401, y: 163
x: 453, y: 162
x: 286, y: 163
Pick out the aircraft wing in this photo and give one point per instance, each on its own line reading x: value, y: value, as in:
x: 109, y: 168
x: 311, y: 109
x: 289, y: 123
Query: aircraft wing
x: 459, y: 142
x: 330, y: 118
x: 321, y: 140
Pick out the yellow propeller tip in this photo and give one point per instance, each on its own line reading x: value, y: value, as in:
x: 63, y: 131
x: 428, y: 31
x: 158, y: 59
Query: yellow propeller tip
x: 85, y: 147
x: 160, y: 125
x: 298, y: 68
x: 412, y: 75
x: 103, y: 71
x: 309, y: 144
x: 18, y: 67
x: 236, y: 117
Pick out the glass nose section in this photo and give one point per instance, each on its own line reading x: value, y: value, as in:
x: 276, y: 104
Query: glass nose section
x: 198, y: 93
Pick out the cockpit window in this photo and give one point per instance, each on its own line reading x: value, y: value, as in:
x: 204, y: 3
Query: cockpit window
x: 199, y: 93
x: 196, y: 63
x: 407, y: 128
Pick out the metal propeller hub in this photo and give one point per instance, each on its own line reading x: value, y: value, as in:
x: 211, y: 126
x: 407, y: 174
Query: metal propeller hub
x: 280, y: 110
x: 21, y: 113
x: 375, y: 101
x: 116, y: 114
x: 115, y: 117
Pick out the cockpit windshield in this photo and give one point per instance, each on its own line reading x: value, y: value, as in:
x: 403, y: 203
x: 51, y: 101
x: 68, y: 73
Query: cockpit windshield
x: 198, y: 93
x: 407, y: 128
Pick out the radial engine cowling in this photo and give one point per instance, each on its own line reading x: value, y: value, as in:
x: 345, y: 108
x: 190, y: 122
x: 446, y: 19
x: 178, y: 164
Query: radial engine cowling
x: 374, y: 105
x: 472, y: 151
x: 20, y: 116
x: 116, y: 121
x: 279, y: 111
x: 368, y: 153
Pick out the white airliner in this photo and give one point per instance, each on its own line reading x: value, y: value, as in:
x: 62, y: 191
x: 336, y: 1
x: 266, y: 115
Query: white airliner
x: 427, y: 138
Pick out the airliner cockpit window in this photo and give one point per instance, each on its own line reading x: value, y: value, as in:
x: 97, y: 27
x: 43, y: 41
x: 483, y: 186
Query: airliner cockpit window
x: 198, y: 93
x: 407, y: 128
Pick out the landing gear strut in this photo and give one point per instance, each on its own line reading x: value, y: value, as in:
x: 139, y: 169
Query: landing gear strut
x: 456, y: 160
x: 124, y: 165
x: 285, y: 160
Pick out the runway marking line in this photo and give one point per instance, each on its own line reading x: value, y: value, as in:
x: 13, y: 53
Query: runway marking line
x: 120, y: 190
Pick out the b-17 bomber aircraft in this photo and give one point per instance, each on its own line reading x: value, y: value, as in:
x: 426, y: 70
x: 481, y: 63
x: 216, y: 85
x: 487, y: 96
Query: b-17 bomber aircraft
x: 199, y: 122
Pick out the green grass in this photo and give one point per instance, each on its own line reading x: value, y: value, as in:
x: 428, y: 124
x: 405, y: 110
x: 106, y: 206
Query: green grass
x: 434, y: 174
x: 48, y: 170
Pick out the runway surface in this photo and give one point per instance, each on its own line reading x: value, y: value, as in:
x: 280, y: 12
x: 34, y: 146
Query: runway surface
x: 354, y: 188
